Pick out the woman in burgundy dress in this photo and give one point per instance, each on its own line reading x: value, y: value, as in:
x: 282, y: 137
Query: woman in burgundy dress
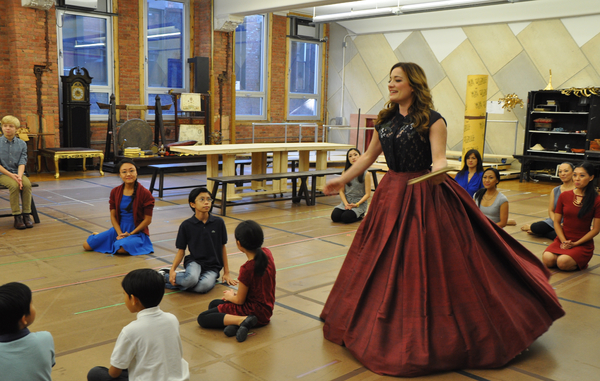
x: 429, y: 283
x: 573, y: 246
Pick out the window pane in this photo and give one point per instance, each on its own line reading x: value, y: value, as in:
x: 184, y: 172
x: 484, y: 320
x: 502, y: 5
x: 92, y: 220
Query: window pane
x: 165, y: 44
x: 248, y: 106
x: 304, y: 67
x: 165, y: 99
x: 84, y: 45
x: 98, y: 97
x: 249, y: 54
x: 303, y: 107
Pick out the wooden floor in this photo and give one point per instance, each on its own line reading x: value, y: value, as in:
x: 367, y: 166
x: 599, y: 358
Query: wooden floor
x: 78, y: 295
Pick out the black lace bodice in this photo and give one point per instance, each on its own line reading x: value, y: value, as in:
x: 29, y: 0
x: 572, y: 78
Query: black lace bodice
x: 404, y: 148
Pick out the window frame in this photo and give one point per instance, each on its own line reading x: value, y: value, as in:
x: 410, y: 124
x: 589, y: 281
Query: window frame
x: 318, y: 83
x: 104, y: 89
x: 264, y: 73
x: 186, y: 54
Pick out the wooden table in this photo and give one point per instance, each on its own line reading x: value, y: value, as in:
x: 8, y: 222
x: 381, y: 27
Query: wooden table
x: 259, y: 159
x: 69, y: 153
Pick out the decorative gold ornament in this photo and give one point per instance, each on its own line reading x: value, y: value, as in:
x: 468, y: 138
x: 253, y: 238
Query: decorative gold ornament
x: 549, y: 86
x: 582, y: 91
x: 511, y: 101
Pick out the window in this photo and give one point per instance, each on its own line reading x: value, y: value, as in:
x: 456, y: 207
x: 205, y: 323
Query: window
x: 250, y: 69
x: 86, y: 41
x: 304, y: 97
x: 167, y: 50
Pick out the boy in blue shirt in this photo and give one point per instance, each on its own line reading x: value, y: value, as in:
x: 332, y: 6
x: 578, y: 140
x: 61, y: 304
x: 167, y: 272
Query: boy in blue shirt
x: 24, y: 355
x: 205, y: 236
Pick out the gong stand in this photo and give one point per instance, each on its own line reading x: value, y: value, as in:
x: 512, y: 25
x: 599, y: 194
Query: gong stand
x: 111, y: 148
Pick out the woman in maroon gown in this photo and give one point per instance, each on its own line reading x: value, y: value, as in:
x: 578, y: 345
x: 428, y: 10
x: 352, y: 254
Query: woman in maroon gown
x: 429, y: 283
x: 573, y: 246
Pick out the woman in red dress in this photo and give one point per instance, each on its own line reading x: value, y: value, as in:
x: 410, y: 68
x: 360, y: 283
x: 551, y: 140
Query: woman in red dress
x: 430, y: 284
x: 573, y: 246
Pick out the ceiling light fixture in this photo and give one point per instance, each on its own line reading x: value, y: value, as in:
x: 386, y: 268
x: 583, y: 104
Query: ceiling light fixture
x: 361, y: 14
x: 445, y: 4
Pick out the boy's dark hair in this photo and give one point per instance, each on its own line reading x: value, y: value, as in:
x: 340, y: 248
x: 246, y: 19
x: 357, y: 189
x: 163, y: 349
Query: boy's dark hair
x: 145, y: 284
x: 15, y: 302
x: 194, y: 195
x: 251, y: 237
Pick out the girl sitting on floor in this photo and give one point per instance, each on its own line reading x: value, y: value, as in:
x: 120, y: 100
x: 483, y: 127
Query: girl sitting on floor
x: 253, y: 302
x: 354, y: 194
x: 490, y: 201
x: 131, y: 207
x: 573, y: 246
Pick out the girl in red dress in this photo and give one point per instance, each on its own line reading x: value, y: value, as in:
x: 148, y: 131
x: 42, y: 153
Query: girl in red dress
x: 253, y: 302
x: 573, y: 246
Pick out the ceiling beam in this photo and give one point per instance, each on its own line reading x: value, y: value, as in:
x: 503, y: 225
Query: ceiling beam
x: 253, y: 7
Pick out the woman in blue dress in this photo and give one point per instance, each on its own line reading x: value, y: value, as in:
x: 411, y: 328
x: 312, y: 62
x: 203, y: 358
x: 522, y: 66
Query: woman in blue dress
x: 471, y: 173
x: 131, y: 207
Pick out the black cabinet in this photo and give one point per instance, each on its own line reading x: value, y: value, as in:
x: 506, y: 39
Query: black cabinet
x: 558, y: 128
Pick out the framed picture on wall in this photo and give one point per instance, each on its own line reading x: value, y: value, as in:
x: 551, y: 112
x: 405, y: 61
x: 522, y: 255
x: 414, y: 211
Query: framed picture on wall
x: 192, y: 132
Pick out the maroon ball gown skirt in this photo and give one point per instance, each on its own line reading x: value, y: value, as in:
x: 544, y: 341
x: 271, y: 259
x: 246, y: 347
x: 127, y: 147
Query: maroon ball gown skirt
x: 430, y: 284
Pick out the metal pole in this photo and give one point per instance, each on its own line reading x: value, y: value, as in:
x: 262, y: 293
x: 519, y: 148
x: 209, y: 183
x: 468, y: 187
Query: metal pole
x: 357, y: 128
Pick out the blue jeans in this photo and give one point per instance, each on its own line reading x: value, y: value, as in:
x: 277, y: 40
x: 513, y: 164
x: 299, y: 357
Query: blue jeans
x: 194, y: 279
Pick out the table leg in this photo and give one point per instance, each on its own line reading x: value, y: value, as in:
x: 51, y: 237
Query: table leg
x: 101, y: 163
x: 321, y: 164
x: 259, y: 166
x: 56, y: 166
x: 229, y: 170
x: 212, y: 170
x: 84, y: 167
x: 280, y: 165
x: 39, y: 160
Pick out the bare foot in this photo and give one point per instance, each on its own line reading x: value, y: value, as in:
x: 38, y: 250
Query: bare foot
x: 526, y: 228
x: 511, y: 222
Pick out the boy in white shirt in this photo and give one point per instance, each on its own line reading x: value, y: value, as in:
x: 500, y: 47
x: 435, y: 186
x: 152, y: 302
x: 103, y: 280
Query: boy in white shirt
x: 148, y: 348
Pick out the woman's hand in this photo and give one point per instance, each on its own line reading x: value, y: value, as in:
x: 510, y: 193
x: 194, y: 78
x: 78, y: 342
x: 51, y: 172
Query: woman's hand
x: 228, y: 295
x: 568, y: 244
x: 172, y: 275
x: 351, y: 206
x: 123, y: 235
x: 333, y: 186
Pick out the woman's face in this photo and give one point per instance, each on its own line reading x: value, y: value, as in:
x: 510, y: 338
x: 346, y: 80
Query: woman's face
x: 128, y: 173
x: 472, y: 161
x: 490, y: 180
x: 565, y: 173
x: 399, y: 87
x: 353, y: 156
x: 581, y: 178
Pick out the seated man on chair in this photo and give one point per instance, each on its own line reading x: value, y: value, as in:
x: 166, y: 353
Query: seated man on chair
x: 13, y: 158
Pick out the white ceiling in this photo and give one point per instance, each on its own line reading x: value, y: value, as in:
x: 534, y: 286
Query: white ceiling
x: 485, y: 14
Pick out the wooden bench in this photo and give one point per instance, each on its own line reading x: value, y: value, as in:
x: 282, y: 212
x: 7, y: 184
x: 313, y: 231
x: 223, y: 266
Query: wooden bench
x: 294, y: 176
x: 159, y: 170
x: 34, y: 212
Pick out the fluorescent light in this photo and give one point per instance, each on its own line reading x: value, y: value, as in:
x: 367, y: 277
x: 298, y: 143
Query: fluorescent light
x: 77, y: 45
x: 446, y: 4
x: 164, y: 35
x: 377, y: 12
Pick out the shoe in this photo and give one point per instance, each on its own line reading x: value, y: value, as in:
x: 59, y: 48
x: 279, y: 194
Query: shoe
x: 165, y: 272
x: 19, y: 224
x: 231, y: 330
x: 27, y: 220
x: 242, y: 332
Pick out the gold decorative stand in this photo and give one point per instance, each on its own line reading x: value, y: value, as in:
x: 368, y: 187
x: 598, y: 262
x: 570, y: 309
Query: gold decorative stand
x: 69, y: 153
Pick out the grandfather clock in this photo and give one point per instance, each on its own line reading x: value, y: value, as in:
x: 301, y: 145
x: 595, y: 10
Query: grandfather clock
x: 76, y: 108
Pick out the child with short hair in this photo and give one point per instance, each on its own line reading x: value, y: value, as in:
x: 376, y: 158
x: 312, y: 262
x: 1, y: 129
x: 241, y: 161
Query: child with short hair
x: 205, y: 236
x: 24, y: 355
x: 13, y: 158
x: 148, y: 348
x: 254, y: 300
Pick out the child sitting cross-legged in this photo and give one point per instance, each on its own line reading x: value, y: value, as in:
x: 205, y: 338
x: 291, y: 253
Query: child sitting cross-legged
x: 148, y: 348
x: 252, y: 304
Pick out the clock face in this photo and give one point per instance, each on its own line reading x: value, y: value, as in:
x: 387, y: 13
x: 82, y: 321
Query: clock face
x: 77, y: 92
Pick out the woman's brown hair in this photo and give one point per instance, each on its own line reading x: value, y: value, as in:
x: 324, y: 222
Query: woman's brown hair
x: 422, y: 102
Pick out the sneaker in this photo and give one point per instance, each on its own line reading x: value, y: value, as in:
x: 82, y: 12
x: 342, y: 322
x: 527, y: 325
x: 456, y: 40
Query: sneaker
x: 231, y: 330
x: 165, y: 272
x: 242, y: 332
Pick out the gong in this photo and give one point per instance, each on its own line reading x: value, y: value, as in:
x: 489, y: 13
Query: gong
x: 135, y: 133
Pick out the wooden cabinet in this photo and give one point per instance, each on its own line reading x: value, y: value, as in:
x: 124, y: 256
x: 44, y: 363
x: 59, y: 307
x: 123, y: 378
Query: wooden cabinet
x: 558, y: 128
